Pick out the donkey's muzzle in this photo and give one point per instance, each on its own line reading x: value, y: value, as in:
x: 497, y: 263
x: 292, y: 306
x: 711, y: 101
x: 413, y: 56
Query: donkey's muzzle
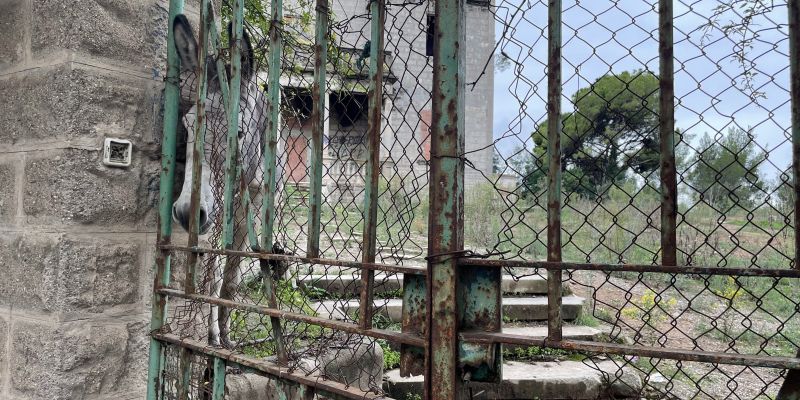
x: 183, y: 215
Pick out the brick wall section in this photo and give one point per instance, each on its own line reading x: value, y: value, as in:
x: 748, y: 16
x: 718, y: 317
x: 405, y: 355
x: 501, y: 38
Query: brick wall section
x: 76, y: 237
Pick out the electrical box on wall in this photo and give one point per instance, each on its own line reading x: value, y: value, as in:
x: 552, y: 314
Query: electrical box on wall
x: 117, y: 152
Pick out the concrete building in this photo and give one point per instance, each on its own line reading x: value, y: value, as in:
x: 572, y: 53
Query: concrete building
x: 405, y: 140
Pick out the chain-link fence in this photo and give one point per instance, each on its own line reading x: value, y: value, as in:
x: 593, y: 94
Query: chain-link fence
x: 672, y: 237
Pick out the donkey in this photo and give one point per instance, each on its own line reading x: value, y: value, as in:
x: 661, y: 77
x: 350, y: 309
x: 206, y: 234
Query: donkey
x: 252, y: 124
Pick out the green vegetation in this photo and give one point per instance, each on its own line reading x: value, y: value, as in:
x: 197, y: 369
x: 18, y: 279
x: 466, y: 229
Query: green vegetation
x: 613, y: 130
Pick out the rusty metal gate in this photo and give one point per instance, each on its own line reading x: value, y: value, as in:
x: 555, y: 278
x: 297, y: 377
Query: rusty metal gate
x: 348, y: 208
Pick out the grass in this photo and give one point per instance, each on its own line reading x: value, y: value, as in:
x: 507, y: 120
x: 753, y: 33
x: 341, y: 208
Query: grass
x: 622, y: 229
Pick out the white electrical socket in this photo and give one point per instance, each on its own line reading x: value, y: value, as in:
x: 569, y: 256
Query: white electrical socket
x: 117, y: 152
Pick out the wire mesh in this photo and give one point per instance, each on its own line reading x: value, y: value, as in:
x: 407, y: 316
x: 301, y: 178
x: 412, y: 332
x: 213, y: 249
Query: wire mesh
x: 733, y: 156
x: 735, y: 205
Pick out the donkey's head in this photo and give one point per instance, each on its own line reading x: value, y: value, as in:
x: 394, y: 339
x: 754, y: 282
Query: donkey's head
x: 252, y: 115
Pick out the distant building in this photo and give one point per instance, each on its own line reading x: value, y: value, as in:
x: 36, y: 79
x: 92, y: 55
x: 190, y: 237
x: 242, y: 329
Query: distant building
x: 405, y: 141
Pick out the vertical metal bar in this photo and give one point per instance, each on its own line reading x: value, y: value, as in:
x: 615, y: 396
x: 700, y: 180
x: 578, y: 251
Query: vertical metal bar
x: 318, y: 90
x: 270, y: 148
x: 446, y: 218
x: 167, y: 178
x: 794, y: 78
x: 666, y: 112
x: 198, y: 148
x: 218, y: 387
x: 554, y: 168
x: 370, y: 212
x: 185, y: 373
x: 270, y: 141
x: 234, y: 93
x: 790, y: 389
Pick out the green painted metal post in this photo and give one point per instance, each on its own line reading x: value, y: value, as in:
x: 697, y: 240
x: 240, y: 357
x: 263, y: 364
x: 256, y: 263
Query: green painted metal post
x: 270, y: 149
x: 167, y: 178
x: 370, y: 211
x: 218, y: 386
x: 446, y: 218
x: 318, y: 93
x: 790, y: 390
x: 669, y: 179
x: 234, y: 93
x: 554, y: 168
x: 184, y: 373
x: 270, y: 141
x: 198, y: 148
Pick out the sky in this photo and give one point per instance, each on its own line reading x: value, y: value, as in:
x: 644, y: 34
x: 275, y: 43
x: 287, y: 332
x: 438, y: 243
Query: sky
x: 601, y: 37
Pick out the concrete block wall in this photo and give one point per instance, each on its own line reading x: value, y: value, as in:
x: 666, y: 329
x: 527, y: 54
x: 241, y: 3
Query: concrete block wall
x: 77, y: 237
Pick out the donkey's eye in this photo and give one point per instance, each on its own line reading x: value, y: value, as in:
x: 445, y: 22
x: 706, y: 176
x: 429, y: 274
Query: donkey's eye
x: 241, y: 133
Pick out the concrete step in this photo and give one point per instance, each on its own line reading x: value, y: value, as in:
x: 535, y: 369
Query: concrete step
x: 348, y: 284
x: 514, y: 308
x: 571, y: 332
x: 538, y: 380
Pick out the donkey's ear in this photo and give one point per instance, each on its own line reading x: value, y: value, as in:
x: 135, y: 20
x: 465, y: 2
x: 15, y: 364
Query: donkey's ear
x: 185, y: 43
x: 248, y: 60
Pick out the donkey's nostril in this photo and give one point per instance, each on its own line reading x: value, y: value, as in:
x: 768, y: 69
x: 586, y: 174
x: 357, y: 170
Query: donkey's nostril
x: 203, y: 217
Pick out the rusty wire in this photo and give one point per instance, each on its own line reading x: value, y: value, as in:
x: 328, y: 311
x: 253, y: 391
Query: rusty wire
x: 728, y: 84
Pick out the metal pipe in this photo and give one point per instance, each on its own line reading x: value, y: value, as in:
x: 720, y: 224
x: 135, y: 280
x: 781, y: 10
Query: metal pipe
x: 641, y: 351
x: 376, y: 67
x: 790, y: 390
x: 218, y: 387
x: 318, y: 93
x: 665, y: 269
x: 167, y: 179
x: 270, y: 149
x: 198, y: 148
x: 234, y: 93
x: 554, y: 167
x: 184, y: 373
x: 392, y: 336
x: 275, y: 371
x: 319, y: 261
x: 446, y: 183
x: 666, y: 113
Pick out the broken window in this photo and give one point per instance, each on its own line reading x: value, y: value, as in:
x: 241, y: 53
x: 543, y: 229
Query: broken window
x: 349, y: 107
x: 429, y: 35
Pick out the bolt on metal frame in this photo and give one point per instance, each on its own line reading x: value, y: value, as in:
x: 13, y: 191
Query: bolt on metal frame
x: 452, y: 309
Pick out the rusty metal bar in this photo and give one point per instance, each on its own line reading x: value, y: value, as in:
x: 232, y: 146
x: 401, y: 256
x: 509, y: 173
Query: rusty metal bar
x: 218, y: 387
x: 641, y: 351
x: 275, y: 371
x: 198, y: 148
x: 166, y: 182
x: 664, y: 269
x: 234, y: 93
x: 184, y: 373
x: 320, y: 261
x: 554, y: 168
x: 270, y: 150
x: 299, y: 317
x: 369, y: 239
x: 790, y: 390
x: 666, y: 113
x: 446, y: 218
x: 318, y: 93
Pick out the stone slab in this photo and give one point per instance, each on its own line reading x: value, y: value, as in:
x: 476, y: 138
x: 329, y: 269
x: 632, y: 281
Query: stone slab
x: 8, y: 193
x: 51, y: 273
x: 131, y: 32
x: 541, y: 380
x: 12, y: 25
x: 72, y: 186
x: 514, y: 308
x: 350, y: 284
x: 70, y: 103
x: 68, y: 361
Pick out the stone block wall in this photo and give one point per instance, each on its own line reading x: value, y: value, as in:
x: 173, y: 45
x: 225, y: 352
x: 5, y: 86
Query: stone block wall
x: 77, y: 237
